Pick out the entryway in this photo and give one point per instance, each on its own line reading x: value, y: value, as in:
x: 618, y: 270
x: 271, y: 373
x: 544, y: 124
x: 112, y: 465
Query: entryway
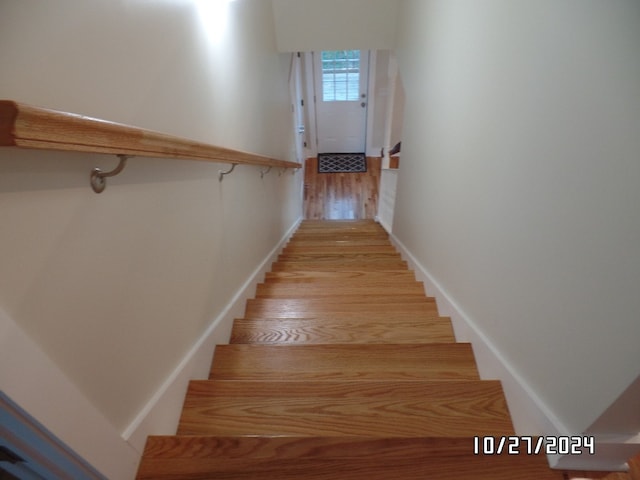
x: 346, y: 101
x: 341, y: 89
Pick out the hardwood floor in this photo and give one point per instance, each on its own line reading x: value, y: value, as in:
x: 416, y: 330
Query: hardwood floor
x: 341, y: 196
x: 341, y: 368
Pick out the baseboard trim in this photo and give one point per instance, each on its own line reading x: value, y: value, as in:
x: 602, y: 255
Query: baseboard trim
x: 161, y: 414
x: 530, y: 415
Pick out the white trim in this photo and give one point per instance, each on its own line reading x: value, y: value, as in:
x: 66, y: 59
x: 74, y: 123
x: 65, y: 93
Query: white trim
x: 371, y: 104
x: 530, y: 415
x: 310, y: 92
x: 161, y: 414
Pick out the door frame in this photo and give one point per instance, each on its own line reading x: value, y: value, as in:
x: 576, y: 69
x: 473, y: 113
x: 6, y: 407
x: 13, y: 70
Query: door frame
x: 311, y: 117
x: 341, y: 124
x: 296, y: 92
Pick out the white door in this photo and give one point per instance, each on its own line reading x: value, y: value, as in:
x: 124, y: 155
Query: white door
x: 341, y: 80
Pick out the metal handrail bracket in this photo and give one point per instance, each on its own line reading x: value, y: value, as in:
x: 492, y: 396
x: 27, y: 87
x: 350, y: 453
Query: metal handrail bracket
x: 264, y: 172
x: 222, y: 173
x: 98, y: 177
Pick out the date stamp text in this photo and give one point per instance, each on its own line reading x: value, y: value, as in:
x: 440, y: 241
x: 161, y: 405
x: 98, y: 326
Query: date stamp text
x: 524, y: 445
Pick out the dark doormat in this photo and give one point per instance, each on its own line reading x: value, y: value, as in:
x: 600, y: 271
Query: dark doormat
x: 342, y: 163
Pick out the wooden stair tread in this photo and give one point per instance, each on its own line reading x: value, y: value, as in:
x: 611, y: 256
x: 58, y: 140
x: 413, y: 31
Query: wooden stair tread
x: 359, y: 458
x: 339, y: 254
x: 342, y: 330
x: 341, y: 368
x: 304, y: 233
x: 339, y: 248
x: 352, y: 277
x: 341, y: 230
x: 411, y: 313
x: 336, y: 290
x: 269, y: 308
x: 396, y: 409
x: 443, y: 361
x: 297, y: 308
x: 348, y: 299
x: 313, y: 242
x: 337, y: 223
x: 339, y: 265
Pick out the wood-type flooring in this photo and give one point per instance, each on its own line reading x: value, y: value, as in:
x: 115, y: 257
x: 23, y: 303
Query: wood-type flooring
x: 340, y: 368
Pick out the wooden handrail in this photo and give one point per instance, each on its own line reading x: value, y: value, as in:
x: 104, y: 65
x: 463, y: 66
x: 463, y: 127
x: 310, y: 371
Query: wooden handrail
x: 27, y: 126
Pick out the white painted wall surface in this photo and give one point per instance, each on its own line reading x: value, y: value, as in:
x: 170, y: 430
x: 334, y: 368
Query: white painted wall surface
x: 520, y: 185
x: 309, y: 25
x: 117, y: 288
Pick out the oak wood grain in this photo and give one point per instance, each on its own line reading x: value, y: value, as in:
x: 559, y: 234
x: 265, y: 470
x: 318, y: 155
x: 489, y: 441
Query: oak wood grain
x: 370, y: 258
x: 342, y: 330
x: 347, y: 277
x: 395, y: 409
x: 330, y: 458
x: 301, y: 308
x: 340, y: 264
x: 443, y: 361
x: 314, y: 241
x: 338, y: 249
x: 341, y: 368
x: 341, y: 195
x: 27, y: 126
x: 335, y: 291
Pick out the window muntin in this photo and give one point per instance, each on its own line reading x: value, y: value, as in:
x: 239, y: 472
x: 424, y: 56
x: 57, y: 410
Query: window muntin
x: 340, y: 75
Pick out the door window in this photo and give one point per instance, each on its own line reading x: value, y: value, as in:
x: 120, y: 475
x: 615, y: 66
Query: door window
x: 340, y: 75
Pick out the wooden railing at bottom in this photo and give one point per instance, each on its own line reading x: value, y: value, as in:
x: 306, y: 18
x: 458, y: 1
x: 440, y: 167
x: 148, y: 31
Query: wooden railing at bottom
x: 32, y: 127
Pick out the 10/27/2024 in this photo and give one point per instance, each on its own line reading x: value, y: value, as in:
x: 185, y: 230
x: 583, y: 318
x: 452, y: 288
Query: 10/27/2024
x: 528, y: 445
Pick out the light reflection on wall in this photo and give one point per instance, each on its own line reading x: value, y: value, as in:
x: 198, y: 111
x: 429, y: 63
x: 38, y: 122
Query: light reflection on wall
x: 213, y: 16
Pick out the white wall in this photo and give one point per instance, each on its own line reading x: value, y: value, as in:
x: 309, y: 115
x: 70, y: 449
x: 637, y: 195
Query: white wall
x: 116, y: 288
x: 519, y: 186
x: 308, y: 25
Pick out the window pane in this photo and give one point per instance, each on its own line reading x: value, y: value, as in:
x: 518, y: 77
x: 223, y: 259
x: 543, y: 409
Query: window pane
x: 340, y: 75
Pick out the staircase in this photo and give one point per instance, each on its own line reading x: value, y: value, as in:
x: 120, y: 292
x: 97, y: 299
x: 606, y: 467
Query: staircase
x: 340, y: 369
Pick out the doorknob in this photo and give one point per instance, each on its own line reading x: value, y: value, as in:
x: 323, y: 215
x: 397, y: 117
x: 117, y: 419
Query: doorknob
x: 363, y: 104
